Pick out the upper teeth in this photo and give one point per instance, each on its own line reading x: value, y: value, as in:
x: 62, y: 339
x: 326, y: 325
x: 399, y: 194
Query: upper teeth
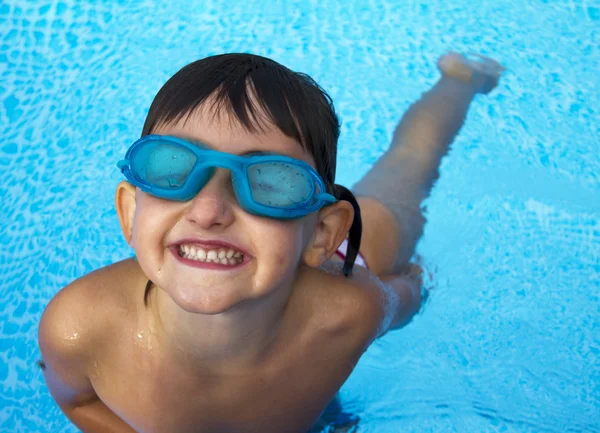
x: 221, y: 255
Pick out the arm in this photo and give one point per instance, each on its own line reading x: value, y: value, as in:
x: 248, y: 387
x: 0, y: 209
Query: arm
x: 404, y: 299
x: 64, y: 344
x: 96, y: 417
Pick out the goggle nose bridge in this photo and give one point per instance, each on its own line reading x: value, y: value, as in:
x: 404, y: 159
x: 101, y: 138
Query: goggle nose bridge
x: 212, y: 163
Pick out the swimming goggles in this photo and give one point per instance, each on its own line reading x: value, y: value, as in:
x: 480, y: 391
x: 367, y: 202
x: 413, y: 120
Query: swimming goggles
x: 265, y: 184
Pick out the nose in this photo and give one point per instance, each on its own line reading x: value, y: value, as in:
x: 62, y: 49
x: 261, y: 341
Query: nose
x: 213, y: 205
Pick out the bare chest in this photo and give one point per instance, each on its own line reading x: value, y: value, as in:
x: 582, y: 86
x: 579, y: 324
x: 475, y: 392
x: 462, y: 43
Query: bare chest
x: 153, y: 395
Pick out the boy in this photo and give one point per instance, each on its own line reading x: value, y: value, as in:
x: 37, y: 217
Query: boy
x: 238, y: 314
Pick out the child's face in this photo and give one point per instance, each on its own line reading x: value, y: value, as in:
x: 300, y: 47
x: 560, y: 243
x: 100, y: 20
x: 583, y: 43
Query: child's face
x: 272, y: 248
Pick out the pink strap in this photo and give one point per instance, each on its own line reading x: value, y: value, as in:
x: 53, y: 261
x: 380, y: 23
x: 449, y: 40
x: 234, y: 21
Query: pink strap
x: 341, y: 252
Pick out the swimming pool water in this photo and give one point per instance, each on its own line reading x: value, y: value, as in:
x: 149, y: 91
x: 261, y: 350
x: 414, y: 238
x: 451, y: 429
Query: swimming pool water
x: 510, y: 338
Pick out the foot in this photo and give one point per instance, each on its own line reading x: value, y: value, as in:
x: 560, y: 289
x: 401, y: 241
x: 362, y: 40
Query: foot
x: 481, y: 72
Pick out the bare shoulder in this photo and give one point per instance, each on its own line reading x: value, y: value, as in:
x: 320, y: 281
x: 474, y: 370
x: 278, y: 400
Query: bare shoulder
x: 358, y: 305
x: 76, y: 308
x: 75, y: 324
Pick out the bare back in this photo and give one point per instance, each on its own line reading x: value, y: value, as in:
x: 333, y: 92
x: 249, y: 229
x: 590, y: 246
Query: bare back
x: 329, y: 323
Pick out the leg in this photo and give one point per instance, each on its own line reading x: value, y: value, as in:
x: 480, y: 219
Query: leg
x: 390, y: 194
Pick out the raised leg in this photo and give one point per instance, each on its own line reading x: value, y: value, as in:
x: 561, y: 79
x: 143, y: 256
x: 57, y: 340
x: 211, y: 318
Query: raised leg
x: 391, y: 193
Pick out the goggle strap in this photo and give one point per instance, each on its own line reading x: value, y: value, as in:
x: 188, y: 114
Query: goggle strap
x: 327, y: 198
x: 122, y: 163
x: 355, y: 232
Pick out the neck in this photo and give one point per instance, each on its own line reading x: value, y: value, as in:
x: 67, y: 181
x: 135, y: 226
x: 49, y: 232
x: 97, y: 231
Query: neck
x: 240, y: 336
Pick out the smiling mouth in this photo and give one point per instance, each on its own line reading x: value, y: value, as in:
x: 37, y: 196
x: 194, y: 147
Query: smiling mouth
x: 222, y: 256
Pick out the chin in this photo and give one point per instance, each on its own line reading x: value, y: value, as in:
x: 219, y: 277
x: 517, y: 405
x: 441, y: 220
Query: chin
x: 201, y: 301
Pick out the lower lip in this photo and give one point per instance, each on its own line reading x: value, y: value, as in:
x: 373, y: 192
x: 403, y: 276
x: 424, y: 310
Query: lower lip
x: 206, y: 265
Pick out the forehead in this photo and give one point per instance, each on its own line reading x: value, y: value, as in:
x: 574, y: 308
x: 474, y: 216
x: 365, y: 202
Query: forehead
x: 223, y: 132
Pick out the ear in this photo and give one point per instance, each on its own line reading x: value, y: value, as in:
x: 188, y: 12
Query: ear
x: 125, y: 204
x: 333, y: 224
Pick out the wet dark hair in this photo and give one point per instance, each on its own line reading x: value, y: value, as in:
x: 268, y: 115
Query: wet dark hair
x: 259, y: 92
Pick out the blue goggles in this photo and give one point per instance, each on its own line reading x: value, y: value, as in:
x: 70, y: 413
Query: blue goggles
x: 268, y: 185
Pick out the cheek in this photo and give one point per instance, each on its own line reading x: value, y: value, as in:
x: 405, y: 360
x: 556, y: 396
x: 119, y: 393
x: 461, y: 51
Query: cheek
x: 284, y: 243
x: 149, y: 220
x: 140, y: 224
x: 287, y: 249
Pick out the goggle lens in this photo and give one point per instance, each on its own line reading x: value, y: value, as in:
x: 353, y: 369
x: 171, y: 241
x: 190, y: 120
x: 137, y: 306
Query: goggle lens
x: 279, y: 184
x: 162, y: 164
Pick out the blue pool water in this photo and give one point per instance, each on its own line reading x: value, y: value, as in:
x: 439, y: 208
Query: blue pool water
x: 510, y: 338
